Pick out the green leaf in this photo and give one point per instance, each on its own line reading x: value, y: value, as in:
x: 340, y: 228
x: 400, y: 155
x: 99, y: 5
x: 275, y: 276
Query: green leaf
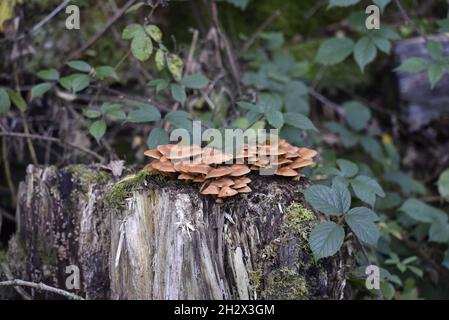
x: 106, y: 72
x: 413, y: 65
x: 365, y: 52
x: 5, y: 102
x: 435, y: 73
x: 157, y: 137
x: 159, y: 84
x: 178, y: 93
x: 334, y: 51
x: 366, y: 189
x: 242, y: 4
x: 146, y: 113
x: 141, y: 46
x: 131, y: 30
x: 249, y: 106
x: 348, y: 138
x: 439, y: 232
x: 39, y: 90
x: 443, y: 184
x: 179, y: 119
x: 326, y: 239
x: 98, y: 129
x: 372, y: 147
x: 18, y: 101
x: 275, y: 118
x: 357, y: 115
x: 435, y: 49
x: 175, y: 66
x: 195, y: 81
x: 342, y: 3
x: 361, y: 221
x: 422, y: 212
x: 154, y: 32
x: 299, y: 121
x: 295, y: 97
x: 75, y: 82
x: 382, y: 44
x: 92, y: 114
x: 382, y: 3
x: 79, y: 65
x: 348, y: 169
x: 159, y: 59
x: 327, y: 200
x: 50, y: 74
x: 113, y: 110
x: 135, y: 7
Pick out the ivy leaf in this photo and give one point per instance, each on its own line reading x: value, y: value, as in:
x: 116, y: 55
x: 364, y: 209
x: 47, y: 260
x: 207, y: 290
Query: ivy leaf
x: 79, y: 65
x: 154, y: 32
x: 195, y: 81
x: 334, y: 51
x: 146, y: 113
x: 327, y: 200
x: 5, y: 102
x: 18, y: 101
x: 141, y: 46
x: 275, y: 118
x: 365, y: 52
x: 180, y: 119
x: 366, y: 189
x: 178, y: 93
x: 443, y: 184
x: 361, y: 221
x: 357, y: 115
x: 348, y: 169
x: 299, y: 121
x: 436, y: 73
x: 106, y: 72
x: 326, y: 239
x: 413, y: 65
x: 98, y: 129
x: 49, y: 75
x: 157, y: 137
x: 175, y: 66
x: 39, y: 90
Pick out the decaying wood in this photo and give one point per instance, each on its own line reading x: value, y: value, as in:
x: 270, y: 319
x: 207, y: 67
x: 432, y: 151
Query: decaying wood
x: 147, y: 237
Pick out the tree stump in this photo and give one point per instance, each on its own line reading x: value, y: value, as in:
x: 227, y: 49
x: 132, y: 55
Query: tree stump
x: 149, y: 237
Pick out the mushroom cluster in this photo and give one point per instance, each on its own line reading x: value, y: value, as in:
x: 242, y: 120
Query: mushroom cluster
x: 225, y: 175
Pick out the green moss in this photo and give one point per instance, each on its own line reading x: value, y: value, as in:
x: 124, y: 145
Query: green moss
x: 85, y: 177
x: 255, y: 278
x: 121, y: 189
x: 297, y: 218
x: 286, y: 284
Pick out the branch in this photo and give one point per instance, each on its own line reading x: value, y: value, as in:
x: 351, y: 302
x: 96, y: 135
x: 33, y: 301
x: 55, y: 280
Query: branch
x: 60, y: 142
x: 97, y: 36
x: 41, y: 286
x: 409, y: 20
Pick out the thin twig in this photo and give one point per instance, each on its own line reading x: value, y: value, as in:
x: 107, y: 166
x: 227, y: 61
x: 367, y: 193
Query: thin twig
x: 8, y: 171
x: 256, y: 34
x: 18, y: 289
x: 60, y: 142
x: 97, y: 36
x: 41, y: 286
x: 379, y: 293
x: 409, y: 20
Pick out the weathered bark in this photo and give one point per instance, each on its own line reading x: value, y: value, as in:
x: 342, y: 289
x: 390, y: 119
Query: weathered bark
x: 152, y: 238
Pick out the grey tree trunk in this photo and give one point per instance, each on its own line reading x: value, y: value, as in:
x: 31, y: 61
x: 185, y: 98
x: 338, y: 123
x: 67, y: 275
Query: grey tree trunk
x: 148, y: 237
